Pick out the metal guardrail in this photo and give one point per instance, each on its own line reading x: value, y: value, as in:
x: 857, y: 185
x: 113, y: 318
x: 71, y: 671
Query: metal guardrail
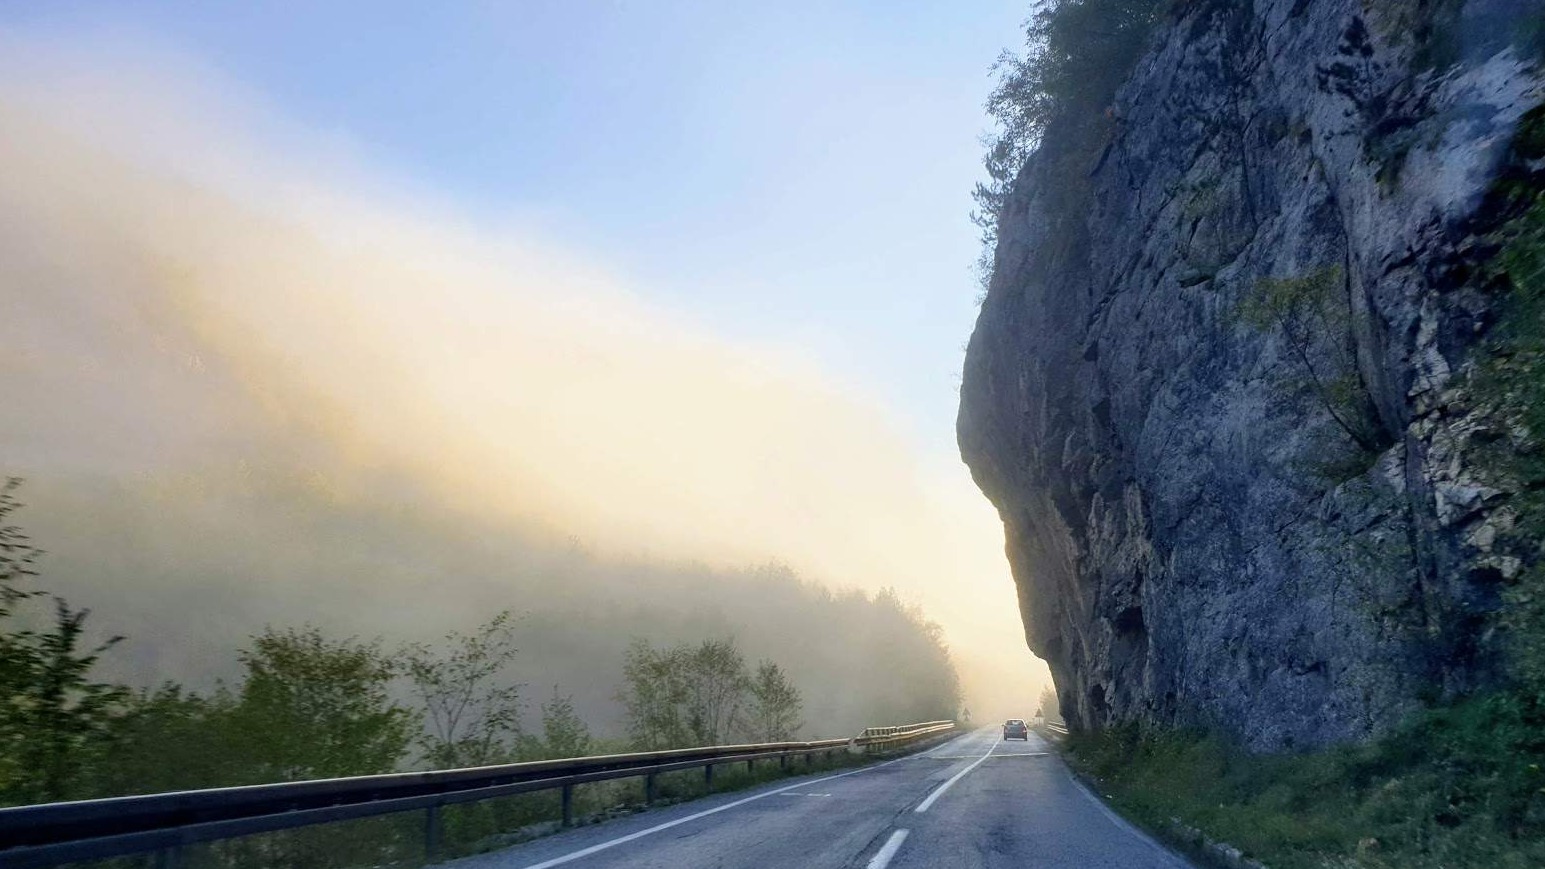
x: 55, y: 833
x: 878, y: 735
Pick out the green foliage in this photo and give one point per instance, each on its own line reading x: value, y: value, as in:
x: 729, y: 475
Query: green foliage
x: 716, y: 690
x: 312, y: 707
x: 53, y: 717
x: 472, y: 707
x: 1510, y: 378
x: 654, y: 695
x: 18, y: 557
x: 1512, y: 373
x: 685, y: 695
x: 775, y: 706
x: 564, y: 733
x: 171, y: 739
x: 1077, y: 54
x: 1457, y: 786
x: 1312, y: 313
x: 1302, y: 302
x: 1524, y: 620
x: 307, y: 707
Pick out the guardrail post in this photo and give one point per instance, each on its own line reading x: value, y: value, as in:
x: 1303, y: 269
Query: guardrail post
x: 750, y: 766
x: 651, y: 790
x: 708, y: 775
x: 432, y: 834
x: 568, y: 805
x: 169, y: 858
x: 783, y: 762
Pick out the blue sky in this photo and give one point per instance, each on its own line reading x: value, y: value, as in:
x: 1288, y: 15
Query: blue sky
x: 795, y: 174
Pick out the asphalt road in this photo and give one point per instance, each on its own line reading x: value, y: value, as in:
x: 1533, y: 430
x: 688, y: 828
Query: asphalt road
x: 972, y: 802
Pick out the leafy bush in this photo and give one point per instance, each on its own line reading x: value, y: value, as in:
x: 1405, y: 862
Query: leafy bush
x: 314, y: 707
x: 53, y: 717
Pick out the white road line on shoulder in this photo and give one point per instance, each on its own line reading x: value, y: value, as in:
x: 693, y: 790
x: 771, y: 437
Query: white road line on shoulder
x: 612, y: 843
x: 887, y: 852
x: 939, y: 791
x: 1124, y: 824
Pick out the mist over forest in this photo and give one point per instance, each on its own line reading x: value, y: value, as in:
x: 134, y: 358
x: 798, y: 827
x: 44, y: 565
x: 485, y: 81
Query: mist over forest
x: 241, y: 398
x: 188, y: 581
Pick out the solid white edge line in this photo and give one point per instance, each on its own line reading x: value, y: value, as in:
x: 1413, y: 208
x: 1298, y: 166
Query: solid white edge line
x: 887, y: 852
x: 1123, y: 823
x: 586, y: 852
x: 939, y: 791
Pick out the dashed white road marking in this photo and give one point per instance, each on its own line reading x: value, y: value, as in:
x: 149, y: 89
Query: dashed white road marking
x: 793, y: 794
x: 887, y: 852
x: 999, y: 754
x: 939, y: 791
x: 612, y: 843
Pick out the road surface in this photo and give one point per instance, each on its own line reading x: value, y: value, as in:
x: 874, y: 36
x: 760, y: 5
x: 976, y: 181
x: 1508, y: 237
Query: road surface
x: 973, y: 802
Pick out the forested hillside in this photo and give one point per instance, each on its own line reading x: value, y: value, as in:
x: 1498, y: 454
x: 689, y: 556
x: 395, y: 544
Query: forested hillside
x: 112, y: 685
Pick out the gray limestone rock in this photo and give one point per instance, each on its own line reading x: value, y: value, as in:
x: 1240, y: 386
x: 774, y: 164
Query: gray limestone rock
x: 1275, y: 532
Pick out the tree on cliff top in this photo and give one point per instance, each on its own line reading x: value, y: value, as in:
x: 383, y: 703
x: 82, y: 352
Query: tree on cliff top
x: 1077, y: 54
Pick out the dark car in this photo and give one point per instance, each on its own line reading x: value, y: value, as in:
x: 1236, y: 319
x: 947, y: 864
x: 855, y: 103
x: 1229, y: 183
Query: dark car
x: 1016, y: 729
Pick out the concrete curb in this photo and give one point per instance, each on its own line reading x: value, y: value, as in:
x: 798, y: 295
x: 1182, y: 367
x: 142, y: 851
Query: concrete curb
x: 1219, y: 853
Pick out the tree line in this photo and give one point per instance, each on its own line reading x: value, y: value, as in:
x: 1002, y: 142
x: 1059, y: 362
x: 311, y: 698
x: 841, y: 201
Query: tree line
x: 306, y: 705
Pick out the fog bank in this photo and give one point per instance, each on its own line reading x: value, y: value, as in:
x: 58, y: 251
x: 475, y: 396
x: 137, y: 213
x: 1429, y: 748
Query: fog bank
x: 242, y: 375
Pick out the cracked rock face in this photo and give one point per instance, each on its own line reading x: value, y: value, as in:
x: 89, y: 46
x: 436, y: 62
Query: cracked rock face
x: 1214, y: 520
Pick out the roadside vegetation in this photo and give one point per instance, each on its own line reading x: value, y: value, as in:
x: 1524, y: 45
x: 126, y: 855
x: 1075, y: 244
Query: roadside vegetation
x: 308, y: 705
x: 1457, y: 786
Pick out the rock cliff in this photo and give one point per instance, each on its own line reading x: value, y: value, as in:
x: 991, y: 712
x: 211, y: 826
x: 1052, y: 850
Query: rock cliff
x: 1219, y: 392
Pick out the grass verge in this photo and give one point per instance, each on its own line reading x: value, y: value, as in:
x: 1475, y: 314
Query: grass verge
x: 1460, y: 786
